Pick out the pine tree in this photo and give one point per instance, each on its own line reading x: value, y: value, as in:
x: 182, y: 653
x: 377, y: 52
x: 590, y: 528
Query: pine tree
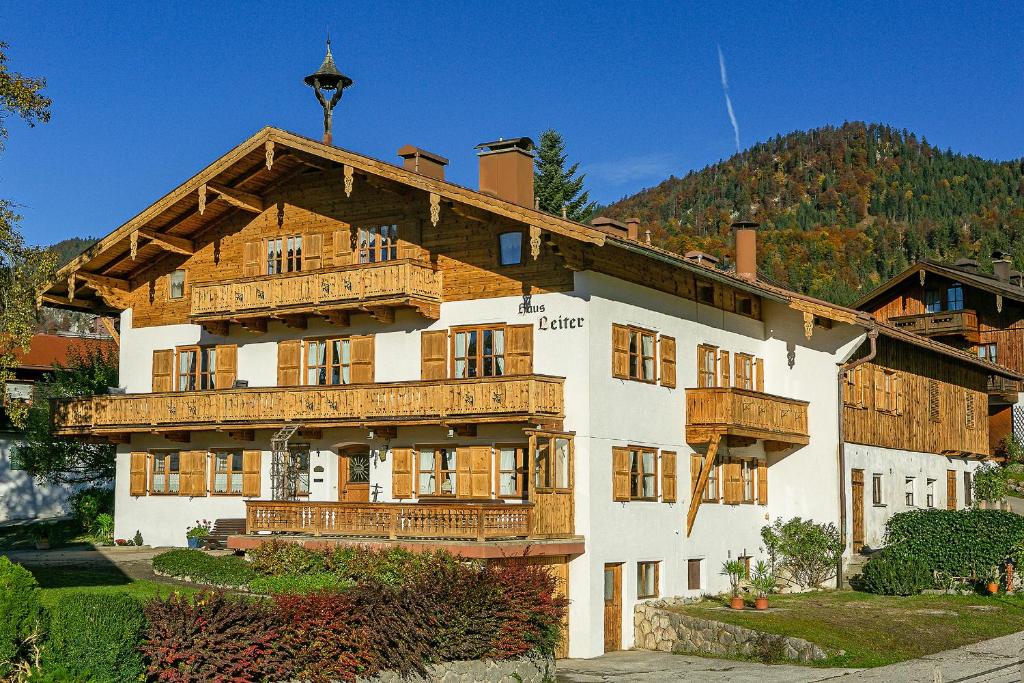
x: 555, y: 186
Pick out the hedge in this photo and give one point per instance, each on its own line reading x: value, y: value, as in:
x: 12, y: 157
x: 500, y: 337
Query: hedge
x: 20, y: 613
x: 955, y: 542
x: 95, y: 638
x: 889, y: 573
x: 215, y: 570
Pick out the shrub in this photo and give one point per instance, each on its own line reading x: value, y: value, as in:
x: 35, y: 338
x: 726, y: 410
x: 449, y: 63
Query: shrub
x: 532, y: 613
x: 20, y: 613
x: 955, y: 542
x: 809, y: 552
x: 299, y: 583
x: 224, y: 570
x: 891, y: 573
x: 276, y: 558
x: 103, y: 527
x: 87, y: 504
x: 214, y: 638
x: 95, y: 637
x: 990, y: 482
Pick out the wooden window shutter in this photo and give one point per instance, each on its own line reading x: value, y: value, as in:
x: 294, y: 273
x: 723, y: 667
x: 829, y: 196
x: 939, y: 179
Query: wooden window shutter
x: 719, y: 296
x: 251, y: 258
x: 762, y: 483
x: 951, y: 489
x: 434, y: 354
x: 759, y: 374
x: 620, y: 351
x: 362, y: 359
x: 163, y: 370
x: 668, y: 476
x: 464, y: 472
x: 933, y: 401
x: 620, y: 473
x: 401, y: 473
x: 668, y: 361
x: 480, y: 460
x: 723, y: 366
x: 289, y: 362
x: 696, y: 463
x: 901, y: 400
x: 519, y: 350
x: 227, y: 365
x: 733, y: 481
x: 138, y: 478
x: 193, y: 473
x: 969, y: 411
x: 251, y: 464
x: 313, y: 251
x: 342, y: 246
x: 879, y: 389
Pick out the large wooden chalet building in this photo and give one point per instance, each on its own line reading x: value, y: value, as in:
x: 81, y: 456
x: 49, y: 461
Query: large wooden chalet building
x: 340, y: 349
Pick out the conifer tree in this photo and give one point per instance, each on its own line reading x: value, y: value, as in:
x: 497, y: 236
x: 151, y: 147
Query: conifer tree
x: 556, y: 186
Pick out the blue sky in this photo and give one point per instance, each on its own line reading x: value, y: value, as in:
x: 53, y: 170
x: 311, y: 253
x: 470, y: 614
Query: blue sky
x: 144, y: 98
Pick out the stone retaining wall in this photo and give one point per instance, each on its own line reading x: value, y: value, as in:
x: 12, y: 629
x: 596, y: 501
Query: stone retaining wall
x: 521, y: 670
x: 658, y: 628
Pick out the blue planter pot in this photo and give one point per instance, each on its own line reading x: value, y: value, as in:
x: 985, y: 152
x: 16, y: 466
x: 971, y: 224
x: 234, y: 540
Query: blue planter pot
x: 193, y: 543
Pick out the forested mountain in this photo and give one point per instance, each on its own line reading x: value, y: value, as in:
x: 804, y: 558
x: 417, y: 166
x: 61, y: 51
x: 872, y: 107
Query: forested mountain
x: 842, y: 209
x: 70, y: 248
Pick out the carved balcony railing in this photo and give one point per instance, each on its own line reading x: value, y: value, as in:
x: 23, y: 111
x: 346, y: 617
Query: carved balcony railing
x: 455, y: 521
x: 747, y: 414
x: 1002, y: 389
x: 527, y: 398
x: 402, y: 283
x: 943, y: 324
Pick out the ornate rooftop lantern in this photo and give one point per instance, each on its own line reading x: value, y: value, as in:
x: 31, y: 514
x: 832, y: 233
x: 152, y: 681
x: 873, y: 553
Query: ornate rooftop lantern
x: 328, y: 78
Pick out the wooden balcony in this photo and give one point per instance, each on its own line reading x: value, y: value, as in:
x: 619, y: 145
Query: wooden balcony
x: 742, y: 414
x: 944, y: 324
x: 448, y: 521
x: 1002, y: 391
x: 377, y: 288
x: 537, y: 399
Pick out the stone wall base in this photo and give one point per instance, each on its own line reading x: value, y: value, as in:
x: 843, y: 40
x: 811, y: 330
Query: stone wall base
x: 521, y: 670
x: 657, y: 628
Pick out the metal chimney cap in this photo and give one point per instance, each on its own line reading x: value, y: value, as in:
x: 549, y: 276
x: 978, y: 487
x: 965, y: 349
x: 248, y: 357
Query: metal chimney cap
x: 745, y: 225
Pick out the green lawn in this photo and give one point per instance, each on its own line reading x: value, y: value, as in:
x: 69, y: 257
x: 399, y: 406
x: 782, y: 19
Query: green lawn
x: 875, y: 630
x: 56, y: 581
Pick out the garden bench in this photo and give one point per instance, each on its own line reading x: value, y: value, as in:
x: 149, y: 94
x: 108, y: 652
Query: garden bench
x: 222, y: 528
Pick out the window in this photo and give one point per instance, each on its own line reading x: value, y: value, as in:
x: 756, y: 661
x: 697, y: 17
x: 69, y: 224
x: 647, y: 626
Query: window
x: 328, y: 361
x: 968, y: 489
x: 855, y: 389
x: 929, y: 494
x: 748, y: 473
x: 744, y: 371
x: 227, y: 473
x: 876, y: 489
x: 551, y: 460
x: 284, y: 254
x: 437, y: 471
x: 511, y: 468
x: 711, y: 489
x: 707, y: 357
x: 478, y: 352
x: 744, y: 304
x: 378, y: 243
x: 510, y: 248
x: 197, y: 368
x: 932, y: 301
x: 166, y: 476
x: 693, y: 571
x: 647, y: 579
x: 641, y: 355
x: 642, y: 473
x: 177, y: 284
x: 988, y: 352
x: 705, y: 292
x: 955, y: 297
x: 300, y: 469
x: 909, y: 484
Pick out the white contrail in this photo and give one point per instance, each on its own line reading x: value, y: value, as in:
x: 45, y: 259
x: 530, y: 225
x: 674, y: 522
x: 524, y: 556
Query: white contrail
x: 728, y: 101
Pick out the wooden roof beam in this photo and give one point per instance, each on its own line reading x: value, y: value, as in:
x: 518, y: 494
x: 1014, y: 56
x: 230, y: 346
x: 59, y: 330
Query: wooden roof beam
x: 239, y: 198
x: 104, y: 280
x: 178, y: 245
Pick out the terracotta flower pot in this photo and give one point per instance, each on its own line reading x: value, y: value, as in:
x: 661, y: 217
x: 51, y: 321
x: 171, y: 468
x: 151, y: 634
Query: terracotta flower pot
x: 761, y: 603
x: 993, y: 587
x: 736, y: 603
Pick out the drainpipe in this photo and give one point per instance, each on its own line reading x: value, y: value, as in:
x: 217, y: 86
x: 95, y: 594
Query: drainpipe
x: 843, y: 369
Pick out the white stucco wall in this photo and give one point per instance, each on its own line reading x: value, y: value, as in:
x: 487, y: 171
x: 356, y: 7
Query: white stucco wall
x: 21, y: 496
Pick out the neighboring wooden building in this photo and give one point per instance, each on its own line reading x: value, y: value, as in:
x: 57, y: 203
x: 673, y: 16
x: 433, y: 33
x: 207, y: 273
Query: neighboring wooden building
x: 980, y: 313
x: 342, y: 349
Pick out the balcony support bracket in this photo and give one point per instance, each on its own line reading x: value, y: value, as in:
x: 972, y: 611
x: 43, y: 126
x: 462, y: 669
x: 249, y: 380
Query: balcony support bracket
x: 702, y: 481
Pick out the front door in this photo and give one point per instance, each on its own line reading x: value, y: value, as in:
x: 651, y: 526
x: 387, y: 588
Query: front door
x: 612, y: 607
x: 857, y: 498
x: 354, y: 477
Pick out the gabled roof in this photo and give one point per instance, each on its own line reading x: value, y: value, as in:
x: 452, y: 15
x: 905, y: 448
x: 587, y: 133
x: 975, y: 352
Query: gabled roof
x: 982, y: 281
x: 45, y: 350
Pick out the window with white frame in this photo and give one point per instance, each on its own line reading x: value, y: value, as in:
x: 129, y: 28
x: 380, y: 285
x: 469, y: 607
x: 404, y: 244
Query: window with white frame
x: 908, y: 492
x: 930, y: 493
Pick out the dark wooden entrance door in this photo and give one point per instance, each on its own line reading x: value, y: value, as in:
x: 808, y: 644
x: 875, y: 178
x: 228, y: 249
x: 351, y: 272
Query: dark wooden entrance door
x: 612, y: 607
x: 951, y: 489
x: 857, y: 499
x: 354, y: 477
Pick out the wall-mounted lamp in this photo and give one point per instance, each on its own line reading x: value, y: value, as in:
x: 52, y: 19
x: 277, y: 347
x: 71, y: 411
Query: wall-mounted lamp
x: 451, y: 432
x: 369, y: 435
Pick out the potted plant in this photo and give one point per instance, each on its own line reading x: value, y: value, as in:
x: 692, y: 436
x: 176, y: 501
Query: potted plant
x: 195, y: 535
x: 735, y: 570
x: 764, y: 582
x: 42, y: 536
x: 992, y: 579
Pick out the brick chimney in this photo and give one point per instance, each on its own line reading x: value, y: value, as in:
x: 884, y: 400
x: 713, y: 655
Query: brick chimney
x: 1001, y: 266
x: 610, y: 226
x: 506, y: 170
x: 746, y: 249
x: 423, y: 162
x: 633, y: 228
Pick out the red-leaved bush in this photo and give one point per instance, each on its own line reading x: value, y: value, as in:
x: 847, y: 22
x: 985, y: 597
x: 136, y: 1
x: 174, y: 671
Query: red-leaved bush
x: 213, y: 637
